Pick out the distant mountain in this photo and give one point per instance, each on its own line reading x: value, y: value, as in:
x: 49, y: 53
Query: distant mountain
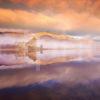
x: 59, y: 36
x: 46, y: 40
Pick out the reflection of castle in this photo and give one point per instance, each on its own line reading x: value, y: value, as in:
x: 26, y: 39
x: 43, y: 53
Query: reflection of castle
x: 46, y: 56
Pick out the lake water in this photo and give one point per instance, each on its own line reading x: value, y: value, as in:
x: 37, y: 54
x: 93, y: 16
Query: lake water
x: 72, y: 74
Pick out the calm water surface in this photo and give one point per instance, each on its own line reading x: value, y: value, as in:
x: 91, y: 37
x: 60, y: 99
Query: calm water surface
x: 72, y: 74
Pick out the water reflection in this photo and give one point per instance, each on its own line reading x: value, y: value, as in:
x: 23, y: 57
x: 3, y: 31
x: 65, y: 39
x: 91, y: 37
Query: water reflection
x: 69, y: 80
x: 65, y: 72
x: 50, y: 74
x: 45, y: 57
x: 40, y: 66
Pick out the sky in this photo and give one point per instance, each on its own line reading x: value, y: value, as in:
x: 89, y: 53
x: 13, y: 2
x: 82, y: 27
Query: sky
x: 77, y: 17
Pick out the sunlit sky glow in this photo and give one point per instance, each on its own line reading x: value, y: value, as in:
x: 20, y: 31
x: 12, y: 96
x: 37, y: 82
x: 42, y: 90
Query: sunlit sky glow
x: 77, y: 17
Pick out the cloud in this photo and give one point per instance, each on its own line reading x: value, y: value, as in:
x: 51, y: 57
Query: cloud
x: 70, y: 21
x: 51, y: 15
x: 24, y: 19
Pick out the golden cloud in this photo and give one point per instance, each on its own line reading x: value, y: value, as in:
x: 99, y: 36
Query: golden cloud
x: 68, y: 21
x: 33, y: 19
